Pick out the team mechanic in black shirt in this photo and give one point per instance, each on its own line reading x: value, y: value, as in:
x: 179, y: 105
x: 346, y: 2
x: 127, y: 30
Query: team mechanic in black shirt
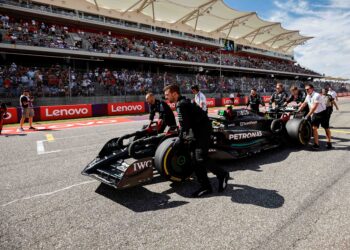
x: 166, y: 115
x: 297, y: 96
x: 195, y: 126
x: 279, y: 97
x: 254, y: 101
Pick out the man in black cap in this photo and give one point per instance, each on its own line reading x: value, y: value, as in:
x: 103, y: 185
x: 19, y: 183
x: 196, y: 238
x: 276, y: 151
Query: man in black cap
x: 254, y: 101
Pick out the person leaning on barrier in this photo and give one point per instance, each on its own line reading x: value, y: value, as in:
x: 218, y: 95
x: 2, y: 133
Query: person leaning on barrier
x: 254, y: 101
x: 199, y: 98
x: 279, y: 97
x: 195, y: 127
x: 317, y: 113
x: 166, y: 115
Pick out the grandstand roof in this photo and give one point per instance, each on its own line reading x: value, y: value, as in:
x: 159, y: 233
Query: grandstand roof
x: 211, y: 18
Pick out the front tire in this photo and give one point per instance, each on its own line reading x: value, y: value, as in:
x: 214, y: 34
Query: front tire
x: 174, y: 165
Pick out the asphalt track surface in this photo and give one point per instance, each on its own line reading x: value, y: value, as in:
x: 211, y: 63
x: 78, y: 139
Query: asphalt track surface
x: 287, y: 198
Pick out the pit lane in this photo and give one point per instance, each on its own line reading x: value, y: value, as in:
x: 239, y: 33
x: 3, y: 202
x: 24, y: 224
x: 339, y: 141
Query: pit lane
x: 281, y: 199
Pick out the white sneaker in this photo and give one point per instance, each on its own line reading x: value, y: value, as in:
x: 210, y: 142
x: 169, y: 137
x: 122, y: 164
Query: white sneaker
x: 20, y: 130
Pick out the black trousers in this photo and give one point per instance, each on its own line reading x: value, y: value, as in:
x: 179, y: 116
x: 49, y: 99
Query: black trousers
x: 202, y: 163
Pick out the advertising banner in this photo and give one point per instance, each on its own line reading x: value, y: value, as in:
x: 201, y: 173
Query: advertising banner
x: 126, y: 108
x: 65, y: 112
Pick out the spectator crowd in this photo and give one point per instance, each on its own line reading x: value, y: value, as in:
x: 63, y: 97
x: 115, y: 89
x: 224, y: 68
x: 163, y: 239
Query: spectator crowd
x: 38, y: 33
x: 61, y: 80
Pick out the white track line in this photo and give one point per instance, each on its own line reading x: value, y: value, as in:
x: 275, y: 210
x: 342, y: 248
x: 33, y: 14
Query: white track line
x: 47, y: 194
x: 41, y: 149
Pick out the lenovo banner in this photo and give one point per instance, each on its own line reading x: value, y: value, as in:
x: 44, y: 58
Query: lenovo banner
x: 126, y: 108
x: 226, y: 101
x: 210, y: 102
x: 266, y: 99
x: 65, y: 112
x: 12, y: 116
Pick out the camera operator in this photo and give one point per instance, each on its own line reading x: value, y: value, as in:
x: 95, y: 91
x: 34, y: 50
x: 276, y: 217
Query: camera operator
x: 27, y: 109
x: 166, y: 115
x: 195, y: 125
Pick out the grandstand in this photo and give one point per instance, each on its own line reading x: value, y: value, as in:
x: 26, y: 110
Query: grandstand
x: 98, y: 51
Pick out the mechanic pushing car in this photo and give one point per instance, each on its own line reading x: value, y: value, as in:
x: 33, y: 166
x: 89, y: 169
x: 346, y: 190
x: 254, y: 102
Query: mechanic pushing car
x: 318, y: 115
x: 298, y: 96
x: 195, y: 130
x: 166, y: 115
x: 254, y: 101
x: 279, y: 97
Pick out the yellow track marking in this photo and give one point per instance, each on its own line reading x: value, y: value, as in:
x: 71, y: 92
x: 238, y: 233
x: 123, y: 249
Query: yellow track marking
x: 50, y: 138
x: 340, y: 131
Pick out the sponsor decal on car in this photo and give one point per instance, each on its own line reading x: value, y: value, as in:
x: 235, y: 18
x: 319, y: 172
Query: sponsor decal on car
x: 140, y: 165
x: 65, y: 112
x: 248, y: 123
x: 244, y: 136
x: 126, y: 108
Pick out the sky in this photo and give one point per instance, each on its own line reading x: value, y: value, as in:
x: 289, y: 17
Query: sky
x: 328, y: 21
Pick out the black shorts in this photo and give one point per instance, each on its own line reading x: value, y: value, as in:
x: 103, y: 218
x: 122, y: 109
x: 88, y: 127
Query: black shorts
x: 320, y: 118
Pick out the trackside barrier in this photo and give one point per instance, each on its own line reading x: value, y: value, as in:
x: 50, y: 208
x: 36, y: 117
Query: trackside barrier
x: 12, y: 116
x: 44, y: 113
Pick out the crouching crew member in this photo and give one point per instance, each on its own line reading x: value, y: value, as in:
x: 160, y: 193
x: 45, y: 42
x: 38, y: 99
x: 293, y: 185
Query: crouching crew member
x: 254, y: 101
x: 194, y: 122
x: 279, y: 97
x: 318, y: 114
x: 166, y: 115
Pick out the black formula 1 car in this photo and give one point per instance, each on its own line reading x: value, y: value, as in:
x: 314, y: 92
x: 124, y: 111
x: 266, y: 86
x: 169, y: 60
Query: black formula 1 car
x: 236, y: 134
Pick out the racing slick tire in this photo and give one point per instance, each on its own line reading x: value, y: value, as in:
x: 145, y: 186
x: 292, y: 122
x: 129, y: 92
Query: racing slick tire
x: 174, y: 165
x: 276, y: 126
x: 299, y: 130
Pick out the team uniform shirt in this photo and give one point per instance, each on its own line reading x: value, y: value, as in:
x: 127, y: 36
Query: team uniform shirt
x: 332, y: 93
x: 316, y: 98
x: 165, y: 113
x: 298, y: 99
x: 254, y: 102
x: 192, y: 117
x: 328, y: 101
x: 279, y: 98
x: 200, y: 98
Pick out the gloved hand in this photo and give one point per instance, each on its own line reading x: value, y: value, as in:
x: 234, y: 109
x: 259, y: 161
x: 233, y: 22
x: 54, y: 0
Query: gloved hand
x: 177, y: 143
x: 306, y: 117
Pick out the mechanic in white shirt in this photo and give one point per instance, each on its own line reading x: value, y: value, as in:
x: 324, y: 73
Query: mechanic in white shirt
x: 332, y: 93
x: 199, y: 98
x: 317, y: 113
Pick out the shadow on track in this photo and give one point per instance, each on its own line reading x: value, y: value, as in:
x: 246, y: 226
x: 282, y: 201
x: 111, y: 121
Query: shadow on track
x: 139, y: 199
x: 241, y: 194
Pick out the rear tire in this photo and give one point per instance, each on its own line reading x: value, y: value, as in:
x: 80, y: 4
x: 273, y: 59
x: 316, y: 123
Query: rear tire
x: 171, y: 164
x: 299, y: 130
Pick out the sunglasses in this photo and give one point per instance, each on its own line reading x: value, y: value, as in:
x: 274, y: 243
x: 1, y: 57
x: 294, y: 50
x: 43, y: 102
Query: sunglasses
x: 307, y: 89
